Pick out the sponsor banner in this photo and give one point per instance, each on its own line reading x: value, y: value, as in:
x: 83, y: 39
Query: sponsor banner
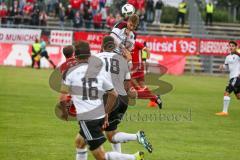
x: 170, y: 45
x: 94, y: 39
x: 21, y: 36
x: 61, y: 38
x: 213, y: 47
x: 20, y: 55
x: 157, y: 45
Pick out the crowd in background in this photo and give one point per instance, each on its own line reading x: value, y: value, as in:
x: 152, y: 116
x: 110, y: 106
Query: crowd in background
x: 79, y: 13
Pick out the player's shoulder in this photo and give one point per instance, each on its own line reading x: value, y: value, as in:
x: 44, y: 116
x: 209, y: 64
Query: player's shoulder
x: 121, y: 24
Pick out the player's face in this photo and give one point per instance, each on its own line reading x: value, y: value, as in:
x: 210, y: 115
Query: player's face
x: 131, y: 26
x: 232, y: 47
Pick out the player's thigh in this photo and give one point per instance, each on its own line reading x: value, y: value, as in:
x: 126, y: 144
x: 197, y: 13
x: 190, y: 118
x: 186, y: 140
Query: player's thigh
x: 99, y: 153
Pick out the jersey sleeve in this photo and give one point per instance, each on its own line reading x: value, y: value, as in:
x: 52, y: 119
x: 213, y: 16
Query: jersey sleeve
x: 226, y: 61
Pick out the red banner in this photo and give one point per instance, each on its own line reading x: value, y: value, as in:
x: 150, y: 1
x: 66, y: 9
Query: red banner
x: 20, y: 55
x: 157, y: 45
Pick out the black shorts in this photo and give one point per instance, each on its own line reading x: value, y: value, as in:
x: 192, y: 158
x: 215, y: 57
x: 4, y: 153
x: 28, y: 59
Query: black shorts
x: 91, y: 131
x: 116, y: 115
x: 233, y: 86
x: 44, y: 54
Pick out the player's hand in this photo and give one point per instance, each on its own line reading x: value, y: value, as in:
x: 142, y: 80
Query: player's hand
x: 106, y: 123
x: 221, y: 67
x: 64, y: 110
x: 126, y: 54
x: 132, y: 93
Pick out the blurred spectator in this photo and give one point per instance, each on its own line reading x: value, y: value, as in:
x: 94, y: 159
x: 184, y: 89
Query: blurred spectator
x: 3, y: 12
x: 94, y: 5
x: 103, y: 12
x: 209, y: 13
x: 17, y: 17
x: 43, y: 18
x: 50, y: 6
x: 110, y: 21
x: 22, y: 3
x: 133, y: 2
x: 76, y: 4
x: 27, y: 9
x: 78, y: 20
x: 150, y: 10
x: 101, y: 4
x: 10, y: 15
x: 87, y: 14
x: 182, y: 10
x: 140, y: 5
x: 97, y: 20
x: 57, y: 8
x: 108, y: 4
x: 35, y: 17
x: 70, y: 14
x: 142, y: 20
x: 158, y: 11
x: 118, y: 17
x: 61, y: 14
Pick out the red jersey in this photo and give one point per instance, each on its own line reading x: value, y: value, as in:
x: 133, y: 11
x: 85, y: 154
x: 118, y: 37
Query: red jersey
x: 137, y: 65
x: 70, y: 62
x: 76, y: 4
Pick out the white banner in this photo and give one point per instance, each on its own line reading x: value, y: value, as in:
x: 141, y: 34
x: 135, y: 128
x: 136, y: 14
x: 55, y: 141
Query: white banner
x: 21, y: 36
x: 62, y: 38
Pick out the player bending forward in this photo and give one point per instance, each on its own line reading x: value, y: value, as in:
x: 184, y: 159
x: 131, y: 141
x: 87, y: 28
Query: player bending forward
x: 232, y: 63
x: 88, y: 100
x: 115, y: 66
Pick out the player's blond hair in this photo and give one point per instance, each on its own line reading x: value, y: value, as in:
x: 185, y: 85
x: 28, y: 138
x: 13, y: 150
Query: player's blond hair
x: 134, y: 19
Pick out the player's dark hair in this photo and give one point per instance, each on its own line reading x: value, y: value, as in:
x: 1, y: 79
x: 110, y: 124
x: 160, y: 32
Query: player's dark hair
x: 108, y: 44
x: 82, y: 50
x: 233, y: 42
x: 68, y: 51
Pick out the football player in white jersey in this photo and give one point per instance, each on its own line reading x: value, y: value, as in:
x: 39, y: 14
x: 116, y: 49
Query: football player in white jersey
x: 232, y: 63
x: 86, y: 92
x: 116, y: 69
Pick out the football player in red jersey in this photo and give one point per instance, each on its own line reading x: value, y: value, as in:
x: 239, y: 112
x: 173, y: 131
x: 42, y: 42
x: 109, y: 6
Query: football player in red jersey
x: 138, y: 83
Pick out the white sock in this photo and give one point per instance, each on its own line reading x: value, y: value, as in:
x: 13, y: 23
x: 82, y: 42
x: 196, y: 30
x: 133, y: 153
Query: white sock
x: 81, y: 154
x: 226, y: 101
x: 122, y: 137
x: 118, y: 156
x: 116, y: 147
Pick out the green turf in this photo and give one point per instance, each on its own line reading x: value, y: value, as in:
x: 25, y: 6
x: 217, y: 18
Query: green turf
x: 30, y: 130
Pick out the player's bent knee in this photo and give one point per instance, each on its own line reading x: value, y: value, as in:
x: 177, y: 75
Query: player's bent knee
x: 79, y: 142
x: 109, y: 135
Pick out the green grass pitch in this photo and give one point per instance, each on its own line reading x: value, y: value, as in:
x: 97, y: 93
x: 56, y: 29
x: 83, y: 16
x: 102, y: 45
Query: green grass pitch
x: 29, y: 129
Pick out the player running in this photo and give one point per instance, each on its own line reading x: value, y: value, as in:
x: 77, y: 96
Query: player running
x: 116, y: 68
x: 89, y: 106
x: 232, y: 63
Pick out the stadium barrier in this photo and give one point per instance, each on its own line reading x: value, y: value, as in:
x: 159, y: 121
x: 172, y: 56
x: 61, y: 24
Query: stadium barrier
x: 177, y: 54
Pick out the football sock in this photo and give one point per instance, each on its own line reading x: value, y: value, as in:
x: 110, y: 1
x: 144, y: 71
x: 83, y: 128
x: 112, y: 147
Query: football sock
x: 81, y: 154
x: 226, y: 101
x: 116, y: 147
x: 118, y: 156
x: 122, y: 137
